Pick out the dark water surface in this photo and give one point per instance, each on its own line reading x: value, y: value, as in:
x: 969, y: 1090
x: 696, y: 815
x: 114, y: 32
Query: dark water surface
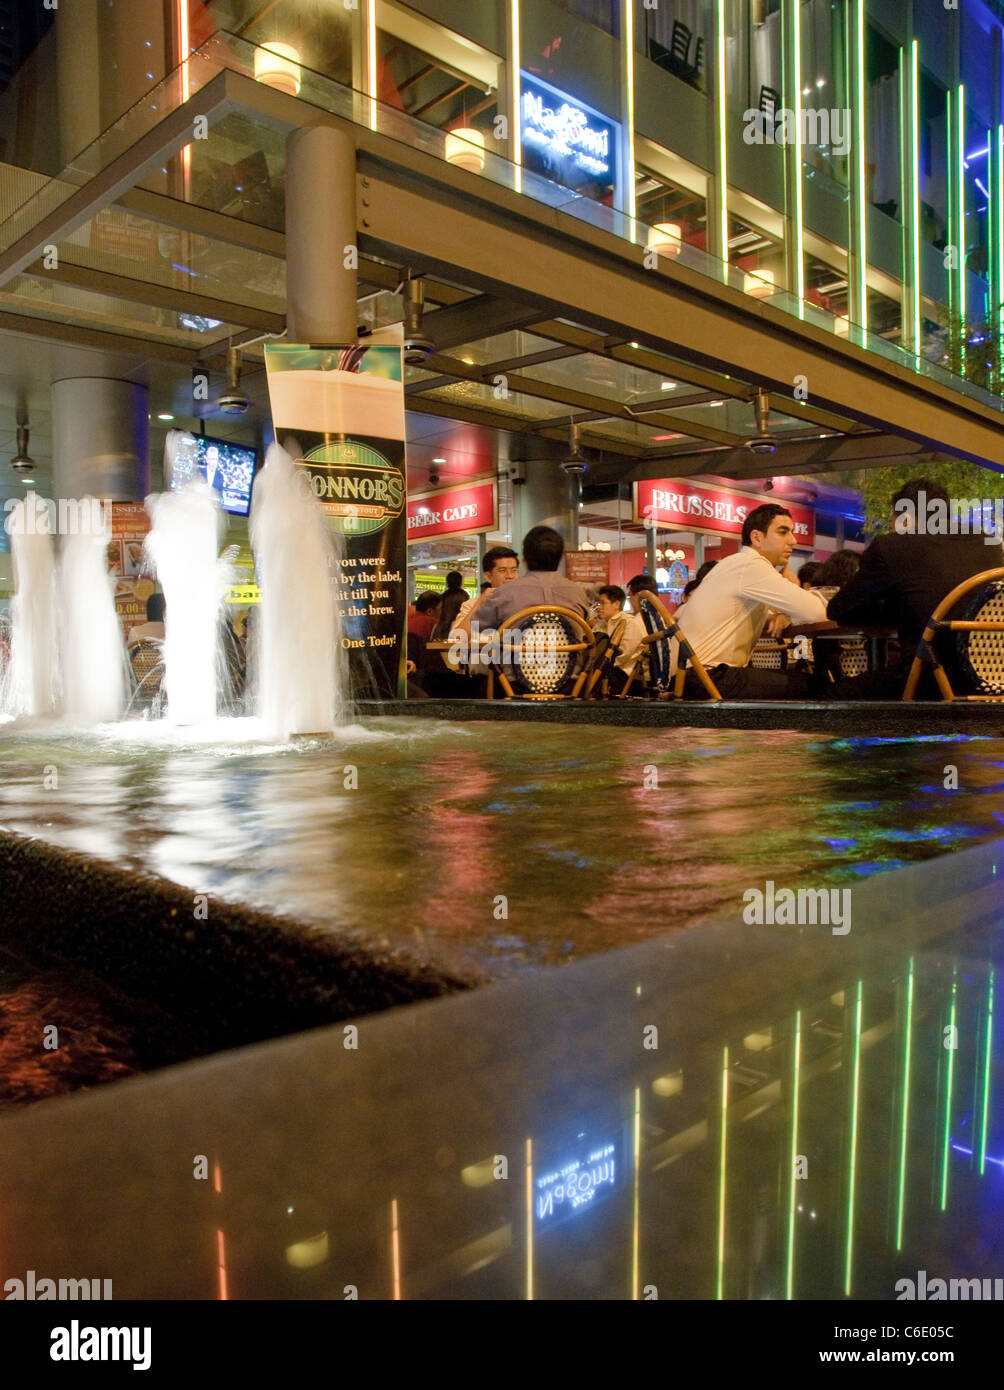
x: 502, y: 846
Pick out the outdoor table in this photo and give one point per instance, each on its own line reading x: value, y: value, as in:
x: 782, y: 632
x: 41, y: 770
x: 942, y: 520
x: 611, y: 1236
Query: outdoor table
x: 877, y: 638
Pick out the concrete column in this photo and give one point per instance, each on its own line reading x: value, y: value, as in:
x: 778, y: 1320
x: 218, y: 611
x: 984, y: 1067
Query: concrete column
x: 699, y: 542
x: 100, y: 439
x: 321, y: 292
x: 651, y: 560
x: 544, y: 499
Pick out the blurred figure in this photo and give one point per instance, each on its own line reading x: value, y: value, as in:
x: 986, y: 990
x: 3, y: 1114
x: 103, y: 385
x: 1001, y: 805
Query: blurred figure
x: 454, y: 599
x: 837, y: 571
x: 425, y: 615
x: 610, y: 609
x: 153, y: 629
x: 808, y: 575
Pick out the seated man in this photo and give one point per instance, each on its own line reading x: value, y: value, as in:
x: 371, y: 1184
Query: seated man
x: 725, y: 616
x: 501, y: 566
x: 543, y: 549
x: 902, y: 579
x: 425, y: 614
x: 610, y: 613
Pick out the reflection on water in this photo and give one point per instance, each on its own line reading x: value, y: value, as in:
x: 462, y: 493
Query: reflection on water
x: 566, y: 823
x: 503, y: 845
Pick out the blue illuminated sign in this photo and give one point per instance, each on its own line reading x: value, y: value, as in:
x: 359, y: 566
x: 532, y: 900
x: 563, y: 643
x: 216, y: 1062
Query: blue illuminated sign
x: 566, y: 140
x: 575, y: 1185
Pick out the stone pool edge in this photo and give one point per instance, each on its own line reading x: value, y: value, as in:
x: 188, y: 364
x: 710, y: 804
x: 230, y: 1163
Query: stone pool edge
x: 234, y: 976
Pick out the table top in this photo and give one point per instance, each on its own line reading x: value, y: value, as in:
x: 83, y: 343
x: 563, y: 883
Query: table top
x: 828, y: 628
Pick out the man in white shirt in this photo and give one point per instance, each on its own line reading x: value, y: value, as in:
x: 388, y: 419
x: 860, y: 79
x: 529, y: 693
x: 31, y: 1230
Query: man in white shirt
x: 727, y: 614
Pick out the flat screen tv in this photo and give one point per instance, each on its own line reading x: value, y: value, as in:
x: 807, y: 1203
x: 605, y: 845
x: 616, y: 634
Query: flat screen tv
x: 227, y: 468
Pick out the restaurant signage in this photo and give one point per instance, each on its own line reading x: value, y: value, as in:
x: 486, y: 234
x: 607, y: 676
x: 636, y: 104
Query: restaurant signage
x: 452, y: 510
x: 126, y: 563
x: 680, y: 505
x: 587, y: 566
x: 566, y: 140
x: 345, y: 407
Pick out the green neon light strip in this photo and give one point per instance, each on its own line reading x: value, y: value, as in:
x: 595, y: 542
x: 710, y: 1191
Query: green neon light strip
x: 852, y: 1181
x: 860, y: 200
x: 514, y: 117
x: 789, y: 1282
x: 630, y: 201
x: 986, y: 1075
x: 723, y: 170
x: 946, y: 1145
x: 901, y: 1200
x: 796, y: 106
x: 999, y: 292
x: 720, y: 1285
x: 915, y: 188
x: 960, y: 147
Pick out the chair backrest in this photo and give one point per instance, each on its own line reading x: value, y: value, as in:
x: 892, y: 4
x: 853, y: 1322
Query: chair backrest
x: 769, y: 654
x: 146, y: 658
x: 680, y: 42
x: 659, y: 656
x: 853, y: 658
x: 980, y: 655
x: 544, y: 651
x: 770, y: 101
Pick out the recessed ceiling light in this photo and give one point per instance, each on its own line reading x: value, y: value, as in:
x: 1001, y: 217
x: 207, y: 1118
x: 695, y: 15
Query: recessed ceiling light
x: 165, y: 416
x: 669, y: 386
x: 439, y: 460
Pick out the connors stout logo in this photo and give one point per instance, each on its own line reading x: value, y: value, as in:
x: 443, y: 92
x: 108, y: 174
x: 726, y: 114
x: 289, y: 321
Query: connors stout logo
x: 360, y: 489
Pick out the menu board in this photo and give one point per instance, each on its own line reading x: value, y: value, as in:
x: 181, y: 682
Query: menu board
x: 590, y: 567
x: 130, y: 524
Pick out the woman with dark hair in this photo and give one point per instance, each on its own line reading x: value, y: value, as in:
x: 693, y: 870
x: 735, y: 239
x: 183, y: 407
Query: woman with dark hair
x: 838, y: 570
x: 454, y: 598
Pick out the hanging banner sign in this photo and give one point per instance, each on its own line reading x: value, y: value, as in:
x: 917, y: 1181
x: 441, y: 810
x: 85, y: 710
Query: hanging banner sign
x: 455, y: 509
x: 345, y: 408
x: 566, y: 140
x: 677, y: 504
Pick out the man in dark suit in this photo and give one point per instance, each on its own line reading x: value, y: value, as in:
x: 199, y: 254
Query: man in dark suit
x: 902, y: 579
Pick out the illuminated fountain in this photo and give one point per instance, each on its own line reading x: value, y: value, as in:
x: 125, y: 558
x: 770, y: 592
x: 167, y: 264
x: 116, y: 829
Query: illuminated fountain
x: 183, y: 547
x: 93, y: 661
x: 31, y: 680
x: 299, y: 677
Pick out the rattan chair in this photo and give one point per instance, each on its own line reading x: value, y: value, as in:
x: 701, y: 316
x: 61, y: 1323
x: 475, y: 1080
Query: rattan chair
x: 979, y: 640
x: 146, y: 661
x: 661, y: 628
x: 551, y: 666
x: 603, y: 659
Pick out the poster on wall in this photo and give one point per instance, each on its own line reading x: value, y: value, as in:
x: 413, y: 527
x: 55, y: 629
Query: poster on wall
x: 344, y: 406
x: 130, y: 524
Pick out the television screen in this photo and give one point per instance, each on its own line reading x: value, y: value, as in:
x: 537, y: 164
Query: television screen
x: 227, y: 468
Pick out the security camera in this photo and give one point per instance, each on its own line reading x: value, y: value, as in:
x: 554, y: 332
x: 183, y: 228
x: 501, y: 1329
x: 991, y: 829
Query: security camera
x: 418, y: 350
x: 233, y: 403
x: 434, y: 479
x: 761, y: 443
x: 232, y: 400
x: 573, y: 465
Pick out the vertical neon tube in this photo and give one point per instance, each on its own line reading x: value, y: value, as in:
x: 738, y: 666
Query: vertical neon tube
x: 184, y: 45
x: 723, y: 164
x: 986, y: 1076
x: 395, y: 1251
x: 221, y: 1267
x: 529, y: 1220
x: 852, y: 1166
x: 371, y: 60
x: 720, y: 1283
x: 999, y: 291
x: 789, y: 1281
x: 905, y: 1121
x: 796, y: 106
x: 947, y: 1139
x: 635, y: 1236
x: 630, y: 200
x: 861, y: 202
x: 960, y: 197
x: 516, y: 96
x: 915, y: 193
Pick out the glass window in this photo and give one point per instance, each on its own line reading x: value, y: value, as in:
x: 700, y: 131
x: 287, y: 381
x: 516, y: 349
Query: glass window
x: 677, y: 38
x: 320, y: 32
x: 933, y: 162
x: 605, y: 14
x: 882, y: 124
x: 660, y: 200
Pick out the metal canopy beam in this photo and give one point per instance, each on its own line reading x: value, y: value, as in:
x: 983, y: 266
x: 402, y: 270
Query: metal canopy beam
x: 481, y: 317
x: 801, y: 456
x: 569, y: 268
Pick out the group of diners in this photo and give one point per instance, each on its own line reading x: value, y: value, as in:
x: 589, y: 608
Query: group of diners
x: 896, y: 583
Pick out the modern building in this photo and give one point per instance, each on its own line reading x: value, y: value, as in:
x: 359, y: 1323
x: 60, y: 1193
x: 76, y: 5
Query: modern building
x: 701, y: 240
